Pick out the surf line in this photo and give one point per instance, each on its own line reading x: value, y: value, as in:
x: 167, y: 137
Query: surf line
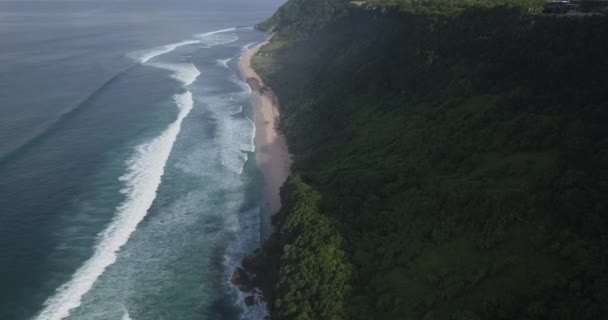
x: 144, y: 174
x: 146, y: 55
x: 215, y: 32
x: 142, y: 179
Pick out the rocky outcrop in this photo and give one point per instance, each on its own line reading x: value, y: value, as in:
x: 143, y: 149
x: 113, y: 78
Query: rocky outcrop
x: 249, y: 301
x: 242, y: 280
x: 249, y: 263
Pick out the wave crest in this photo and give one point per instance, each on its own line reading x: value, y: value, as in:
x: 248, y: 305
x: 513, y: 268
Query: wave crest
x: 145, y: 55
x: 142, y: 179
x: 186, y: 73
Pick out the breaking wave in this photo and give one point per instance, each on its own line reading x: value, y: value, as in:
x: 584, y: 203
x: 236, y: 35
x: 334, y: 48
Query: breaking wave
x: 145, y: 55
x: 143, y: 176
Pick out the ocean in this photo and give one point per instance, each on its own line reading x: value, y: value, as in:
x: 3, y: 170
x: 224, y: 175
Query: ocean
x: 128, y: 183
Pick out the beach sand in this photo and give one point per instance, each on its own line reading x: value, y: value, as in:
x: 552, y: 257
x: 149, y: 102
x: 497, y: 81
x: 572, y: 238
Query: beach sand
x: 272, y: 155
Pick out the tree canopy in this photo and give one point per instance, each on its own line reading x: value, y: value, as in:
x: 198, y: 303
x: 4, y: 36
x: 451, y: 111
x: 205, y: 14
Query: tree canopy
x: 450, y: 164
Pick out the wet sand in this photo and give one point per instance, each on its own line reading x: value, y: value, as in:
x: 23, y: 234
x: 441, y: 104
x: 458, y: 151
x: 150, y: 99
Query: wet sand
x: 272, y: 155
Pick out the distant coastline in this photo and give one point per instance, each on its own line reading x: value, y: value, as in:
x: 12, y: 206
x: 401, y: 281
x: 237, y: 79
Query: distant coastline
x: 272, y: 155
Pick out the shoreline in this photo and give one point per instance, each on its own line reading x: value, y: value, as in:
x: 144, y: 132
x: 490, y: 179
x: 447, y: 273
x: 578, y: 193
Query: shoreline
x: 272, y: 155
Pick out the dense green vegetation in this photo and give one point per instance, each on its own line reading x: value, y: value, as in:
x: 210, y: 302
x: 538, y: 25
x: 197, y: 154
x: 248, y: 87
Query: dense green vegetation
x: 451, y: 162
x: 313, y: 279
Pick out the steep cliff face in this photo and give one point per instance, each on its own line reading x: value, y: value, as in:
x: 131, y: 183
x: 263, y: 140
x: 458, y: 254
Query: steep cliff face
x: 304, y: 16
x: 451, y: 163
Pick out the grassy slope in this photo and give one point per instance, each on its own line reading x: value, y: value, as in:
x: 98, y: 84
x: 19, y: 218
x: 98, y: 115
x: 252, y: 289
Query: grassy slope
x: 450, y: 164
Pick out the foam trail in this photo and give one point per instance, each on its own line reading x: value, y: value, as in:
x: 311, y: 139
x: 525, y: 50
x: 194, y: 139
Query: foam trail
x: 142, y: 179
x: 146, y: 55
x: 224, y: 62
x: 217, y: 37
x: 186, y: 73
x: 244, y: 85
x: 248, y: 46
x: 214, y: 32
x: 235, y: 134
x: 125, y: 315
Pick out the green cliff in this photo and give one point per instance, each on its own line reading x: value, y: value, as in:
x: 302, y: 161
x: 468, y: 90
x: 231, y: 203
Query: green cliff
x: 450, y: 161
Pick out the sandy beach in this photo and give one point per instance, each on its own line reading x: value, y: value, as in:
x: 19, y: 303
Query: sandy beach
x: 272, y: 155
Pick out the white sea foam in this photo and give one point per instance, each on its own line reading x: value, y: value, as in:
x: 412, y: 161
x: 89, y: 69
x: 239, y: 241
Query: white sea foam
x: 125, y: 314
x: 183, y: 72
x: 214, y: 32
x: 234, y: 132
x: 244, y: 85
x: 247, y: 47
x: 246, y: 88
x: 235, y: 137
x: 145, y: 55
x: 142, y: 179
x: 247, y: 226
x: 224, y: 62
x: 218, y: 39
x: 211, y: 38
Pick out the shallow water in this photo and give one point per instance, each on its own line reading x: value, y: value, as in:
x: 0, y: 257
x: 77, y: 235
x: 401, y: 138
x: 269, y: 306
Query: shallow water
x: 128, y: 189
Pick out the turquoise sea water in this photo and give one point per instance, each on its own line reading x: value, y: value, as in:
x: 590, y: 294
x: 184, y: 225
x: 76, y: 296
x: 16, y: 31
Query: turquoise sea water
x: 128, y: 188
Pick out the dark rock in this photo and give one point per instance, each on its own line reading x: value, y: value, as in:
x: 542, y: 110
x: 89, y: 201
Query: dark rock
x: 274, y: 219
x: 248, y: 287
x: 249, y: 263
x: 249, y: 301
x: 241, y: 279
